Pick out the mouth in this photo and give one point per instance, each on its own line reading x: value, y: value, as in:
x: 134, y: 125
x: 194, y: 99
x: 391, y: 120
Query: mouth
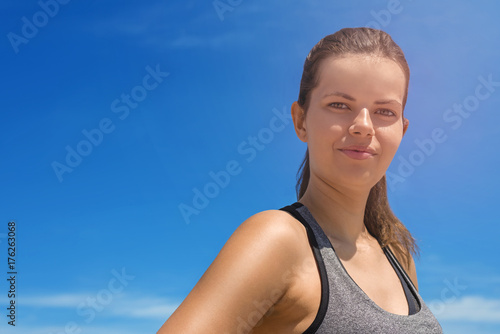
x: 358, y: 152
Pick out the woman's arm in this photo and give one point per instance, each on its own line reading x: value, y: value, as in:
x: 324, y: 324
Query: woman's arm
x: 245, y: 276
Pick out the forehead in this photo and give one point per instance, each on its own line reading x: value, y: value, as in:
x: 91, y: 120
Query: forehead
x: 367, y: 75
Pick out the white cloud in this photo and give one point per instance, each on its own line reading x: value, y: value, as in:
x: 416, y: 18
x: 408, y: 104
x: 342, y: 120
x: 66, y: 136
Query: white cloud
x: 202, y: 29
x: 114, y: 329
x: 467, y: 309
x: 125, y: 314
x: 224, y: 39
x: 147, y: 308
x: 122, y: 305
x: 62, y: 300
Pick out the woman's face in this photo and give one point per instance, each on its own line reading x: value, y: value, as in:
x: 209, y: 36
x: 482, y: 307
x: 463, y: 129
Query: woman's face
x: 354, y: 122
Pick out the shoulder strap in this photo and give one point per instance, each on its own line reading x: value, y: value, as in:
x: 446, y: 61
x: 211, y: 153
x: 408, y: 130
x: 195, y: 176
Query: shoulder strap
x: 389, y: 253
x: 325, y: 289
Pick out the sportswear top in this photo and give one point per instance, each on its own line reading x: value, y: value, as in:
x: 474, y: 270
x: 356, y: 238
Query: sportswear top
x: 344, y: 307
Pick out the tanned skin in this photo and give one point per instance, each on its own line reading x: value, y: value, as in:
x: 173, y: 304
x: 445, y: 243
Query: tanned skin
x: 265, y: 279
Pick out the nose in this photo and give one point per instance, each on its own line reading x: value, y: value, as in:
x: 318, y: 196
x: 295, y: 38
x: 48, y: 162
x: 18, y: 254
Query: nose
x: 362, y: 124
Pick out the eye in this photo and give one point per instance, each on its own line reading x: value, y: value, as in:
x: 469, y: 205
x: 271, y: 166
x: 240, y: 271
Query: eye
x: 338, y: 105
x: 386, y: 112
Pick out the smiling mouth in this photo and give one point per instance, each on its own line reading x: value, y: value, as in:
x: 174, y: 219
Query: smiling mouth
x: 358, y: 153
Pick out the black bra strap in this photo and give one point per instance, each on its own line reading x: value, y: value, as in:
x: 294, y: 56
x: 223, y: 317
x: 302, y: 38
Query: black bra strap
x: 325, y: 290
x: 411, y: 298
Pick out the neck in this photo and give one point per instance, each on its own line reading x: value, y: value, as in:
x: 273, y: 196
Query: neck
x: 339, y: 211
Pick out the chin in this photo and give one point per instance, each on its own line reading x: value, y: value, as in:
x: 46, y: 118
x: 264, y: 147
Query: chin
x: 357, y: 181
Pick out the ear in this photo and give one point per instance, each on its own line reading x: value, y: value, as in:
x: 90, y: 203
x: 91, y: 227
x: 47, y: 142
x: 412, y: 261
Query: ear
x: 299, y: 121
x: 405, y: 125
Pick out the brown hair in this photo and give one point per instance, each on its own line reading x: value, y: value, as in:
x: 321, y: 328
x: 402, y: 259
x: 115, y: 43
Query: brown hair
x: 379, y: 218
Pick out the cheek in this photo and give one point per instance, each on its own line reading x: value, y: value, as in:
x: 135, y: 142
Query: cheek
x: 389, y: 139
x: 324, y: 135
x: 324, y: 127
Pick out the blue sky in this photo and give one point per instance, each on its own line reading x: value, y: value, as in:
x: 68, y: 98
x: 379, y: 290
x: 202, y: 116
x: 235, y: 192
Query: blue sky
x: 171, y: 94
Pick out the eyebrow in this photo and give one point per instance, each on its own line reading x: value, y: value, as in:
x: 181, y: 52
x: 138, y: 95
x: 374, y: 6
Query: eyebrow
x: 344, y: 95
x: 350, y: 98
x: 387, y: 102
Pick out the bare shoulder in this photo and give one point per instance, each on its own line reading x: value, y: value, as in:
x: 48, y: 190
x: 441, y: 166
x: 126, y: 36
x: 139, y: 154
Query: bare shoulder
x: 275, y: 225
x: 261, y: 249
x: 271, y: 234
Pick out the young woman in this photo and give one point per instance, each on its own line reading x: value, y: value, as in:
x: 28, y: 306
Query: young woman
x: 338, y: 260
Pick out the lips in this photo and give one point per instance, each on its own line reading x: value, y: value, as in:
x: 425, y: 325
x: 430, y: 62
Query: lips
x: 358, y: 152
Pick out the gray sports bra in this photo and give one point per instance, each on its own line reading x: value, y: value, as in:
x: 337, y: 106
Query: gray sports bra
x: 344, y: 307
